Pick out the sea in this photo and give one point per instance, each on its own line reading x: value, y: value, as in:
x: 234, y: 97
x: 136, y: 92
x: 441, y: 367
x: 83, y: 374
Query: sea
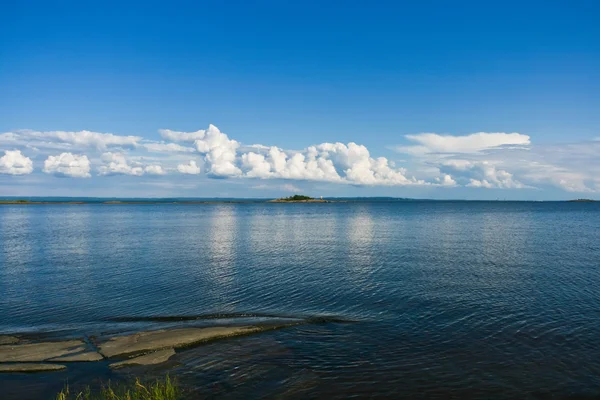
x: 404, y: 299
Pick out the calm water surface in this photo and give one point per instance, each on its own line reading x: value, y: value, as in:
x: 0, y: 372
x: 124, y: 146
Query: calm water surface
x: 449, y: 299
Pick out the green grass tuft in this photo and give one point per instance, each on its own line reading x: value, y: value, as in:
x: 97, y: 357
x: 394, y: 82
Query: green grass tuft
x: 159, y: 390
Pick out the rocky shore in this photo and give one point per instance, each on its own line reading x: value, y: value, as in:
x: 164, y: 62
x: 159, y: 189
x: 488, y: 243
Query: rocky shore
x: 139, y: 348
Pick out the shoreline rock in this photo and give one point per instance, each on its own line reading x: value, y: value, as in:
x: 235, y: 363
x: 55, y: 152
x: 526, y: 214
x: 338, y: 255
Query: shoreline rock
x: 146, y: 341
x: 6, y: 339
x: 86, y: 356
x: 68, y: 350
x: 154, y: 358
x: 140, y: 348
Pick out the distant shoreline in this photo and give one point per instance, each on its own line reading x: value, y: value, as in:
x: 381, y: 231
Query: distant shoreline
x: 299, y: 201
x: 76, y: 201
x: 117, y: 202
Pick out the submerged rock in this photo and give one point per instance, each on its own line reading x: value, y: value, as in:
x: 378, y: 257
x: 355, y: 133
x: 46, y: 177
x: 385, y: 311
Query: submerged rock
x: 68, y: 350
x: 26, y: 367
x: 173, y: 338
x: 5, y: 339
x: 148, y: 359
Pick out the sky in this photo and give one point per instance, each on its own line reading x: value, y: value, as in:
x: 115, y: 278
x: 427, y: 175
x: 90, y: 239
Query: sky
x: 423, y: 99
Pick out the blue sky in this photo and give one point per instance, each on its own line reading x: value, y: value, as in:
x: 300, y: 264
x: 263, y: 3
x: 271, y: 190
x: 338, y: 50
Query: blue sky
x: 465, y: 99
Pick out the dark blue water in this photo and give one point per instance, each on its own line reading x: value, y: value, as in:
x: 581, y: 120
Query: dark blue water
x: 450, y: 299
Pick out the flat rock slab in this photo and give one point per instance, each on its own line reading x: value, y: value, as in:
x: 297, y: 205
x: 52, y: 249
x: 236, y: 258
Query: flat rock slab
x: 173, y: 338
x: 79, y: 357
x: 33, y: 352
x: 148, y: 359
x: 25, y: 367
x: 4, y: 339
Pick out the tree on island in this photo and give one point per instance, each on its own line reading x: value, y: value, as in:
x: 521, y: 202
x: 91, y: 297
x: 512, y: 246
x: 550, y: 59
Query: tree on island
x: 297, y: 197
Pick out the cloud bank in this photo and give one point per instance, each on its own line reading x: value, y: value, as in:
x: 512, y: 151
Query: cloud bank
x: 327, y: 162
x: 477, y: 160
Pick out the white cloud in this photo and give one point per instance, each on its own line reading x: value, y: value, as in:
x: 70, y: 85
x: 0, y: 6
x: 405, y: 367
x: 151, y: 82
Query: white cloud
x: 176, y: 136
x: 327, y: 162
x: 161, y: 147
x: 80, y: 139
x: 15, y: 163
x: 446, y: 180
x: 220, y: 152
x: 473, y: 143
x: 572, y: 167
x: 481, y: 174
x: 67, y: 164
x: 190, y: 168
x: 117, y: 164
x: 9, y: 138
x: 561, y: 177
x: 487, y: 160
x: 155, y: 170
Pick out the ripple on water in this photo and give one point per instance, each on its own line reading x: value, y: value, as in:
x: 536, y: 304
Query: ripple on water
x: 452, y: 299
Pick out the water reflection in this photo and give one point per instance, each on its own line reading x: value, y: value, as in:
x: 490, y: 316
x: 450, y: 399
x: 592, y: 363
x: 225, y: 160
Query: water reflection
x: 222, y: 244
x: 360, y: 232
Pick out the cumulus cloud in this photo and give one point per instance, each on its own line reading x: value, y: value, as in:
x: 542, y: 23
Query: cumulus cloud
x: 68, y: 165
x: 481, y: 174
x: 219, y: 151
x: 327, y: 162
x: 473, y: 143
x: 486, y: 160
x: 446, y: 180
x: 15, y: 163
x: 117, y: 164
x: 190, y: 168
x: 155, y: 170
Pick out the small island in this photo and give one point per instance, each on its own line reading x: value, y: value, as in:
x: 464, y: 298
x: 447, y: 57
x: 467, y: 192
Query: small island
x: 582, y: 201
x: 297, y: 198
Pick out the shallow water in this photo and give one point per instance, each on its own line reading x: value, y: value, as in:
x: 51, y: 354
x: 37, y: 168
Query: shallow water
x: 463, y: 299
